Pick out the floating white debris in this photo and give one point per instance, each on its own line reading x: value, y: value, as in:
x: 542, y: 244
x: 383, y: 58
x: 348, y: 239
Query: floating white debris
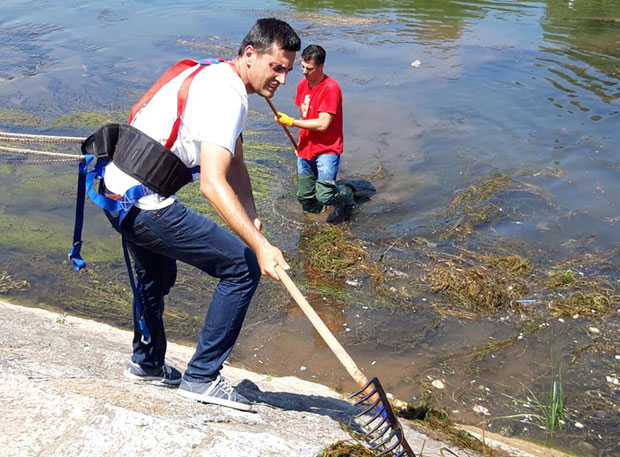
x: 437, y: 384
x: 302, y: 368
x: 612, y: 380
x: 352, y: 282
x: 578, y: 425
x: 373, y: 362
x: 594, y: 330
x: 481, y: 410
x: 416, y: 63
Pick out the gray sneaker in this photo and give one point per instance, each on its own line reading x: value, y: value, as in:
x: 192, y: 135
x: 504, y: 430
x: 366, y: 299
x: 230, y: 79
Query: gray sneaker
x: 166, y: 375
x: 218, y: 392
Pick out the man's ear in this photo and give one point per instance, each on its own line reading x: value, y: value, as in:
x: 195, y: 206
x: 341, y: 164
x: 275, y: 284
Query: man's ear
x: 249, y: 54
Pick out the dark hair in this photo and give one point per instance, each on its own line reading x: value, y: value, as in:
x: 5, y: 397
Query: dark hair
x: 268, y: 31
x: 315, y: 53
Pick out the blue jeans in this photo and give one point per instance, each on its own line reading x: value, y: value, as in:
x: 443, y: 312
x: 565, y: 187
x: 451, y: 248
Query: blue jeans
x: 323, y: 167
x: 156, y: 240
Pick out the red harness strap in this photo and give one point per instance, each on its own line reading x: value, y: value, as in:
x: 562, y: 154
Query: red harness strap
x: 168, y: 76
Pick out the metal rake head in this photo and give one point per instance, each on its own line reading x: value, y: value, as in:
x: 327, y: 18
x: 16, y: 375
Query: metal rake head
x: 386, y: 433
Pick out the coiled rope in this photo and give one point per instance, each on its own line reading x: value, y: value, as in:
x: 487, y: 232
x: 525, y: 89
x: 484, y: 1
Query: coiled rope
x: 54, y: 157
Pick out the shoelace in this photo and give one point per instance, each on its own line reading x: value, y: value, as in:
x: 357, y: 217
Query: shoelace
x: 225, y: 385
x: 167, y: 371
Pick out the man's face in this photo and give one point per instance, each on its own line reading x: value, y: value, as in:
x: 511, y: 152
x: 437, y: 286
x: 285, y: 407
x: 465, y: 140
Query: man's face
x: 311, y: 71
x: 267, y: 71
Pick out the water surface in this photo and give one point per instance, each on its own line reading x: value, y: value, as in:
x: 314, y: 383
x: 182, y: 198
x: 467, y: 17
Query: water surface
x: 529, y: 89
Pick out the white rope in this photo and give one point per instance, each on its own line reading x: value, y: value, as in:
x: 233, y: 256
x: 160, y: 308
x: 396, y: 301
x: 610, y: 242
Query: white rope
x: 27, y: 138
x: 34, y: 152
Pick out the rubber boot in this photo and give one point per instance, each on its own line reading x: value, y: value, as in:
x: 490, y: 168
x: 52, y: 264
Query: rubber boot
x: 328, y: 193
x: 306, y: 194
x: 340, y: 197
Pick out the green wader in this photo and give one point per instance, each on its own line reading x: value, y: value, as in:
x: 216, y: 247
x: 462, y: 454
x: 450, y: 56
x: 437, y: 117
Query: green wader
x: 313, y: 194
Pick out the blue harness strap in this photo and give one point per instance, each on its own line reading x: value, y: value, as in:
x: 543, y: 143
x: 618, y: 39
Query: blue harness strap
x: 86, y: 184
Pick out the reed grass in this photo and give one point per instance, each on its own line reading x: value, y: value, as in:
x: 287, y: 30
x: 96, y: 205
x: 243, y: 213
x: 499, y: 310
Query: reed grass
x: 548, y: 412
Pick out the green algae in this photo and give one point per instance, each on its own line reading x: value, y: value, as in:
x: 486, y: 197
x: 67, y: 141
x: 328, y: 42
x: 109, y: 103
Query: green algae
x: 90, y: 119
x: 15, y: 117
x: 52, y: 235
x: 560, y: 279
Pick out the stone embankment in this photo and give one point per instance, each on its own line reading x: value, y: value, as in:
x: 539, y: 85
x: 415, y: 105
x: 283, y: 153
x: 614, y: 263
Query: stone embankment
x: 63, y: 393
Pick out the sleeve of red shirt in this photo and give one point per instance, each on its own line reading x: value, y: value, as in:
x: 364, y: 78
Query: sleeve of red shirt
x: 331, y: 99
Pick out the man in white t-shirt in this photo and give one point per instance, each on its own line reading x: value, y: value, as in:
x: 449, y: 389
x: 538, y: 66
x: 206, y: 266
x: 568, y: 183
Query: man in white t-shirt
x: 158, y: 231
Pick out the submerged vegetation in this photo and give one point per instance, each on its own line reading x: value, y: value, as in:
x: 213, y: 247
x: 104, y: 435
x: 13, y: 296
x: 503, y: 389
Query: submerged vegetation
x: 488, y: 202
x: 9, y: 284
x: 548, y: 411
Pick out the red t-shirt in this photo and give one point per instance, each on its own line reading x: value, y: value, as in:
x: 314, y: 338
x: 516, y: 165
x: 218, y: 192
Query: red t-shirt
x: 325, y: 97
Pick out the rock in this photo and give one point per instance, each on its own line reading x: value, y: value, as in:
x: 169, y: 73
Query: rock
x: 59, y: 399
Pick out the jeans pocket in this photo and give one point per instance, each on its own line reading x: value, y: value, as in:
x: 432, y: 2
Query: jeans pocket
x: 145, y: 236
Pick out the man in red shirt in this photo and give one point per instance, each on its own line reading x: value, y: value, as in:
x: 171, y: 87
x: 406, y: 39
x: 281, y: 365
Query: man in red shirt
x: 319, y: 99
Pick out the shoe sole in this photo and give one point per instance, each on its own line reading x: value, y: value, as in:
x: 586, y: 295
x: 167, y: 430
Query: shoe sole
x: 214, y: 400
x: 155, y: 380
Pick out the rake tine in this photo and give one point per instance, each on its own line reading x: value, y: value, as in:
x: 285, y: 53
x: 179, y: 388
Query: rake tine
x: 362, y: 389
x: 372, y: 440
x: 370, y: 408
x: 365, y: 397
x: 381, y: 422
x: 388, y: 449
x: 379, y: 413
x: 401, y: 453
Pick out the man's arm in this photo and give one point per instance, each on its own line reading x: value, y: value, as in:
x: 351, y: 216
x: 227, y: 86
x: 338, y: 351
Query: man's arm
x: 239, y: 179
x: 226, y: 185
x: 319, y: 124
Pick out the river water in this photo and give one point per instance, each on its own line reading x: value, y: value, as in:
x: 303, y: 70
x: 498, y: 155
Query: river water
x: 438, y: 95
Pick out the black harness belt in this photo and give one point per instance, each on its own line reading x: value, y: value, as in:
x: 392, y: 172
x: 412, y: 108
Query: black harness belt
x: 140, y: 156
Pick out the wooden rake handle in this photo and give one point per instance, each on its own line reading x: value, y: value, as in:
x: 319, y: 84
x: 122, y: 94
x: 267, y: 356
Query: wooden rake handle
x: 320, y: 327
x: 288, y: 133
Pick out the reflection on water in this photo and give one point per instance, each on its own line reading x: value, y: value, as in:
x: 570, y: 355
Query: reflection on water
x: 582, y: 52
x: 529, y: 89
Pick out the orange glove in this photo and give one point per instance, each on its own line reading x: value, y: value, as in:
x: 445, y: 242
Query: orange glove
x: 284, y: 119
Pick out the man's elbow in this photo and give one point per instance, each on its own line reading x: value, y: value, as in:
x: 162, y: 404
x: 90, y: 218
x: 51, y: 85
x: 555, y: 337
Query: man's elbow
x: 207, y: 189
x: 323, y: 127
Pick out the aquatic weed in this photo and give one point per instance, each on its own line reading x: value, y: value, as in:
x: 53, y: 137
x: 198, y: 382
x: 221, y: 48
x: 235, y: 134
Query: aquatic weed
x: 346, y: 449
x: 480, y: 284
x: 548, y: 412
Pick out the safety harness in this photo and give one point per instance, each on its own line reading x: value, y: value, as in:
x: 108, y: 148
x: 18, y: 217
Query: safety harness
x: 157, y: 168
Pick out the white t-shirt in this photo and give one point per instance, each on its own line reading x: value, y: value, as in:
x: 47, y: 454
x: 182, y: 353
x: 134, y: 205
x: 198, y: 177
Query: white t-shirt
x: 216, y: 112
